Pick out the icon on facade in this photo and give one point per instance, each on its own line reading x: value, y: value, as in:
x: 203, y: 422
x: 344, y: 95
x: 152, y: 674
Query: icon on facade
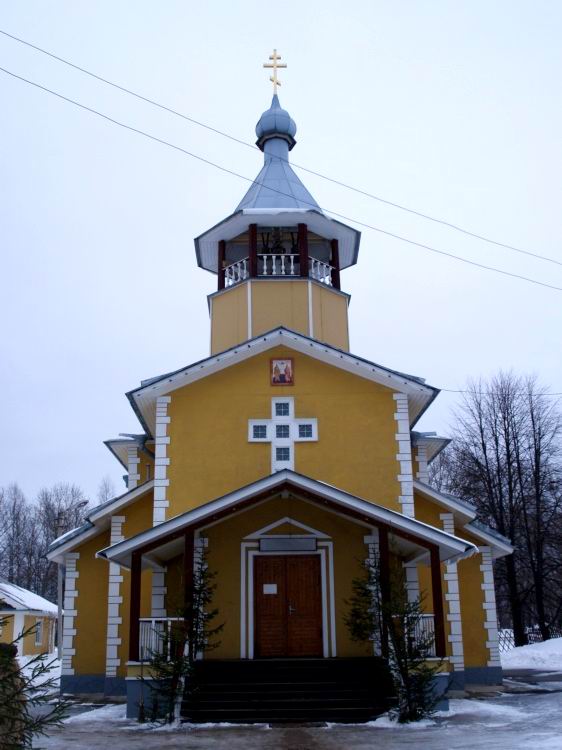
x: 282, y: 372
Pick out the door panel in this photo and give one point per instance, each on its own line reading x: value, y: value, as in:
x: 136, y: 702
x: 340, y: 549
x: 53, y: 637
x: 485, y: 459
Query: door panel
x: 304, y: 598
x: 288, y: 606
x: 271, y: 608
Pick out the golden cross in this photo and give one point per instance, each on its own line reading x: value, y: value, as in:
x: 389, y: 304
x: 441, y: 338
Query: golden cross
x: 275, y: 65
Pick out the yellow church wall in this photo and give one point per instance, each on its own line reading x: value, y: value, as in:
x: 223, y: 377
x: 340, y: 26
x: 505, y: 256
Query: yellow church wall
x: 474, y: 633
x: 229, y: 318
x: 138, y: 517
x: 224, y: 557
x: 278, y: 302
x: 329, y: 315
x: 209, y: 420
x: 91, y: 605
x: 427, y: 511
x: 146, y: 466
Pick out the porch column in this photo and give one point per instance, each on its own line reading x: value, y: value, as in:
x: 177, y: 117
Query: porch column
x: 335, y: 264
x: 188, y: 550
x: 134, y: 613
x: 384, y: 571
x: 253, y: 250
x: 437, y: 591
x: 302, y: 235
x: 220, y: 264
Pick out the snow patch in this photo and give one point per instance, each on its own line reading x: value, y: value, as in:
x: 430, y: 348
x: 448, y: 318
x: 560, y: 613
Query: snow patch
x: 20, y: 598
x: 545, y: 656
x: 112, y: 712
x: 50, y: 659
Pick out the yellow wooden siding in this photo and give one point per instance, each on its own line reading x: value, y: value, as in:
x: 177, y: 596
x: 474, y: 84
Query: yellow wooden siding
x: 209, y: 450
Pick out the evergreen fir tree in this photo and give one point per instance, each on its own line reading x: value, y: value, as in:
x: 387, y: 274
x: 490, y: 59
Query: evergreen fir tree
x: 25, y: 694
x: 171, y: 675
x: 396, y: 627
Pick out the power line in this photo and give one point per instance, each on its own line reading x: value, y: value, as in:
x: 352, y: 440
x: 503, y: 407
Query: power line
x: 490, y: 393
x: 163, y: 142
x: 242, y: 142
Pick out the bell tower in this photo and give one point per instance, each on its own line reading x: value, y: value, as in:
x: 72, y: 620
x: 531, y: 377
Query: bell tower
x: 278, y: 257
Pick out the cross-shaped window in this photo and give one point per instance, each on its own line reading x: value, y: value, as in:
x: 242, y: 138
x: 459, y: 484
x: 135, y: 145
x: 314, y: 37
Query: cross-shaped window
x: 282, y: 431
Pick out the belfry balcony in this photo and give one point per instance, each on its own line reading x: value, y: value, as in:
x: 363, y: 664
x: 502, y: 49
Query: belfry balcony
x: 278, y: 252
x: 270, y: 265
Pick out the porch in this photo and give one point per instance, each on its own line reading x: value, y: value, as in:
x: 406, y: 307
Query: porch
x: 300, y: 522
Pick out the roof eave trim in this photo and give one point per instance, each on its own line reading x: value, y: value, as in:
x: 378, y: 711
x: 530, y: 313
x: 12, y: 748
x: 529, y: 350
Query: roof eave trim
x: 459, y: 546
x: 460, y: 508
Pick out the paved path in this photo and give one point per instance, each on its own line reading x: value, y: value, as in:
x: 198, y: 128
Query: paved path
x: 507, y: 722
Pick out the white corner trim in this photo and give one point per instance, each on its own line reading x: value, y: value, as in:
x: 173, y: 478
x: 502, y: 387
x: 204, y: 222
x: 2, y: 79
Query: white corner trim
x: 489, y: 607
x: 114, y: 599
x: 453, y: 602
x: 161, y: 460
x: 404, y: 455
x: 422, y: 473
x: 70, y: 596
x: 133, y: 462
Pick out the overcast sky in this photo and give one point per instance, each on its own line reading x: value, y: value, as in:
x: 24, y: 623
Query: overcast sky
x: 452, y: 108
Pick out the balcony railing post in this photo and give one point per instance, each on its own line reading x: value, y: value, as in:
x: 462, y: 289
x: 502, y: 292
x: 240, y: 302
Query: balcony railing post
x: 134, y: 612
x: 221, y: 255
x: 384, y: 570
x: 437, y: 591
x: 335, y: 264
x: 302, y: 238
x: 253, y: 250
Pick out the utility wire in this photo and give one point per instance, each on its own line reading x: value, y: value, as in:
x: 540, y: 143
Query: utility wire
x: 345, y: 185
x: 491, y: 393
x: 429, y: 248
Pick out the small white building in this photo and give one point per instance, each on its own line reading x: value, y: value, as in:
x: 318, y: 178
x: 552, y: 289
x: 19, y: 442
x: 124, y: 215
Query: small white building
x: 20, y: 610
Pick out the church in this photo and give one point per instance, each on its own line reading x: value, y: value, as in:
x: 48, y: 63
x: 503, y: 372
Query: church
x: 288, y: 460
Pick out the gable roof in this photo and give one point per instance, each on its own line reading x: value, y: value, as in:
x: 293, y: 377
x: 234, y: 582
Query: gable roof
x: 18, y: 598
x: 143, y: 399
x: 96, y: 521
x: 450, y: 546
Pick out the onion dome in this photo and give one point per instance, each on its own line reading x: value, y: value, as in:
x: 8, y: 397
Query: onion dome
x: 276, y: 122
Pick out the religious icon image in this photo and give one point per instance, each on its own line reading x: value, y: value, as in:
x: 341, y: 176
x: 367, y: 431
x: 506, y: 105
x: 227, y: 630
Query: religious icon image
x: 282, y: 372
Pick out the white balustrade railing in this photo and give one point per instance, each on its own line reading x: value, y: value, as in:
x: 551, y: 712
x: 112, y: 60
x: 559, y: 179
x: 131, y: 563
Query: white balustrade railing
x: 320, y: 271
x: 236, y: 272
x: 425, y: 632
x: 155, y: 636
x: 271, y: 264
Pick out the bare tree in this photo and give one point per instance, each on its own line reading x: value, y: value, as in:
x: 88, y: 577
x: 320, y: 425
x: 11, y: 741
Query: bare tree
x: 106, y: 490
x: 506, y: 460
x: 28, y: 528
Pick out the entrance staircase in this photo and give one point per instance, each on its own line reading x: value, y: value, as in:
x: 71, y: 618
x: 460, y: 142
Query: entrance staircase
x: 288, y: 690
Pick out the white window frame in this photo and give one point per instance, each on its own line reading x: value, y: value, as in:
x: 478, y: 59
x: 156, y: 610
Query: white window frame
x: 38, y: 631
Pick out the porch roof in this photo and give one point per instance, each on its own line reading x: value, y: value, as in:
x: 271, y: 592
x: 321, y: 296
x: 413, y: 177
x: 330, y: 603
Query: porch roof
x: 450, y: 546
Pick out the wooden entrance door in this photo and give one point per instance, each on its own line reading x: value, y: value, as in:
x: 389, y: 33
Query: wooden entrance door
x: 288, y: 606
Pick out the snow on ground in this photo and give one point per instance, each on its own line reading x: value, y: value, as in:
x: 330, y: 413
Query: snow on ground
x: 504, y: 722
x: 545, y: 656
x: 54, y: 673
x: 110, y: 713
